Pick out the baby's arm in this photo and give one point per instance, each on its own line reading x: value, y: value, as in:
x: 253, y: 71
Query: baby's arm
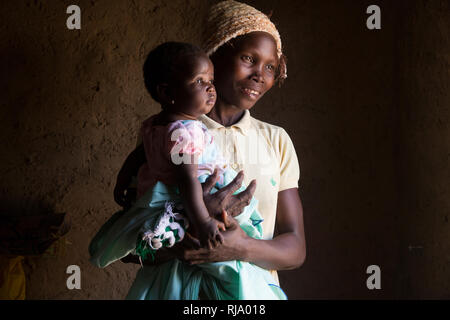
x: 207, y: 228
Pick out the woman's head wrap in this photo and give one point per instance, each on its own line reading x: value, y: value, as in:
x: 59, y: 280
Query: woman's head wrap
x: 229, y: 19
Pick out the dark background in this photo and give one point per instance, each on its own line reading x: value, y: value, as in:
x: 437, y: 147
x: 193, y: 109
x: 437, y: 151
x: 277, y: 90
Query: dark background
x: 367, y: 110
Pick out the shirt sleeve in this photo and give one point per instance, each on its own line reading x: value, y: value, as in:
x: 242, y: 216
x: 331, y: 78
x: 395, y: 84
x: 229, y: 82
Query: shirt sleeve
x: 289, y: 166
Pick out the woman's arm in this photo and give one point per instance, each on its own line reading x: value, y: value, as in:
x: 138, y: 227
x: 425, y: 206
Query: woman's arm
x: 288, y: 249
x: 222, y: 200
x: 129, y: 169
x: 285, y: 251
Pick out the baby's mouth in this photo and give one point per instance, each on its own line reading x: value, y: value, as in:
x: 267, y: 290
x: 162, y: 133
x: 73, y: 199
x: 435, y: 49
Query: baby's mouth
x: 211, y: 100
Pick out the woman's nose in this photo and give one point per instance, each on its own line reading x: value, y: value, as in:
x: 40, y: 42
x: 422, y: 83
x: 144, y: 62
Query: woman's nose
x: 257, y: 76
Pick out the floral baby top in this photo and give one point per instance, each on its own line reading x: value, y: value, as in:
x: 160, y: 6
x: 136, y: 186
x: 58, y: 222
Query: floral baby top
x: 165, y: 146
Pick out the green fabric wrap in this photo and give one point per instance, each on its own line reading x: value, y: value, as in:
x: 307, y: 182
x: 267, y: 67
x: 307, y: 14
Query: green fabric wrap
x: 235, y: 280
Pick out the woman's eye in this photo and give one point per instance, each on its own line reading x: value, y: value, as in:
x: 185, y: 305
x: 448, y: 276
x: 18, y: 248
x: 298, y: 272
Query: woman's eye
x: 199, y: 81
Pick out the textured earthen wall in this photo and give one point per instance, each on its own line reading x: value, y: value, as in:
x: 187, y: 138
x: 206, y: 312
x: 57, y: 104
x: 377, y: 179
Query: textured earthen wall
x: 72, y: 103
x: 367, y: 111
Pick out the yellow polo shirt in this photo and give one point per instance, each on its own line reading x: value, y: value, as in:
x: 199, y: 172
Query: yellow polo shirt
x: 265, y: 153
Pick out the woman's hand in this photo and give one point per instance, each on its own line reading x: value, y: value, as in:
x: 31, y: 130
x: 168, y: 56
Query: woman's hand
x: 189, y: 250
x: 224, y: 198
x: 286, y: 251
x: 232, y: 248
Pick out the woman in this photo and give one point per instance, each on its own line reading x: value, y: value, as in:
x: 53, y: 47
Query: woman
x: 245, y: 48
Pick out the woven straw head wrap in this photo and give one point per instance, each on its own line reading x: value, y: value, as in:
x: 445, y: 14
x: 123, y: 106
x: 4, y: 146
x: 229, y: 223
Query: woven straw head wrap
x: 229, y: 19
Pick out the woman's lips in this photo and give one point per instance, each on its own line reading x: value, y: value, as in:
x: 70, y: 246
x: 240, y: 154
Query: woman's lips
x: 254, y: 94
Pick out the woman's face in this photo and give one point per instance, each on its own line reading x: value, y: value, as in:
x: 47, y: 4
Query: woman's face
x: 245, y: 71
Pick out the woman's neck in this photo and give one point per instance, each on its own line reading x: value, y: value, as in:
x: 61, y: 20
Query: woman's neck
x: 225, y: 114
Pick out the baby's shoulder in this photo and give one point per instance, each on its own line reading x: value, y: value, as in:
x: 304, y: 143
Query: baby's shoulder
x: 187, y: 125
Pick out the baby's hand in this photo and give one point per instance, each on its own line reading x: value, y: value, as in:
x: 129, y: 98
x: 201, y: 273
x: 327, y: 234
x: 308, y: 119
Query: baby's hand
x: 209, y: 234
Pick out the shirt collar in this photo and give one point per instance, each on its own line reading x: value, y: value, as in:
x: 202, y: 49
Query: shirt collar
x: 243, y: 124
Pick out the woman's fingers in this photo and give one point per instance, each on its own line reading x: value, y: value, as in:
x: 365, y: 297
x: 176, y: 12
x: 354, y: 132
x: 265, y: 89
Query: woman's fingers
x: 210, y: 244
x: 210, y: 182
x: 224, y: 216
x: 197, y: 256
x: 221, y: 226
x: 251, y: 188
x: 232, y: 225
x: 239, y: 201
x: 219, y: 238
x: 246, y: 195
x: 191, y: 242
x: 235, y: 184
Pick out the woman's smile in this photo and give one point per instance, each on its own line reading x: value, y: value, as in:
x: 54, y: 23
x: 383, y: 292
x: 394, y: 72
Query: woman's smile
x: 253, y: 94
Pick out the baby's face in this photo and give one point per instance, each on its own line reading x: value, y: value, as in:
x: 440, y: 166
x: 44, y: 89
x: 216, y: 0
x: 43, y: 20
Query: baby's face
x: 193, y: 89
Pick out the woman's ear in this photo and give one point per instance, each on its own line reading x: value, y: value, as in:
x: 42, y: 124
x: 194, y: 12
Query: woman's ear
x: 164, y: 95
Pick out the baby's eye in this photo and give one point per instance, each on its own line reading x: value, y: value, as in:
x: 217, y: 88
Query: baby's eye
x: 247, y: 58
x: 199, y: 81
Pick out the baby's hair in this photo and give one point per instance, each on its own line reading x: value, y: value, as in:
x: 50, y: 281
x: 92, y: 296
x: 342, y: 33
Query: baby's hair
x: 161, y: 63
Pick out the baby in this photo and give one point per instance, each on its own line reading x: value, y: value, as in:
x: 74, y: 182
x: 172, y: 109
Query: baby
x: 178, y: 147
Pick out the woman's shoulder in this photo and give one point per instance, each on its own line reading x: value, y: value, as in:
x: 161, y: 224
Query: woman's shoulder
x: 265, y: 128
x: 275, y: 136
